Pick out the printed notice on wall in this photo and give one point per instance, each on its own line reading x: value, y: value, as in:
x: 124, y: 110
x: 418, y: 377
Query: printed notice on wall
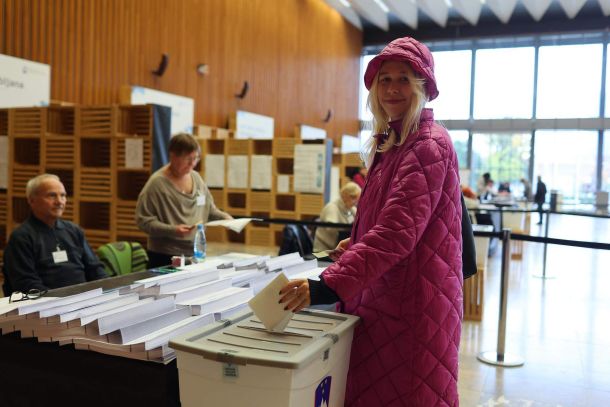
x: 215, y: 170
x: 237, y: 176
x: 309, y: 168
x: 4, y: 162
x: 260, y: 172
x: 283, y: 184
x: 134, y: 153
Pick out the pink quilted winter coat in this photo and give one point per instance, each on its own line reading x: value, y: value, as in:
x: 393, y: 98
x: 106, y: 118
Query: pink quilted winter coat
x: 402, y: 276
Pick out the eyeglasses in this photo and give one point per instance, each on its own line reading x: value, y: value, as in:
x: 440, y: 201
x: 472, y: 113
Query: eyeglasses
x: 32, y: 294
x: 190, y: 160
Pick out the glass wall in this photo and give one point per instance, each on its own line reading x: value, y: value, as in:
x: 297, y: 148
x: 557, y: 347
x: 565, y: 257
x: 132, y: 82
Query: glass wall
x: 460, y: 143
x: 566, y: 162
x: 505, y: 156
x: 569, y: 81
x: 452, y: 70
x: 504, y: 83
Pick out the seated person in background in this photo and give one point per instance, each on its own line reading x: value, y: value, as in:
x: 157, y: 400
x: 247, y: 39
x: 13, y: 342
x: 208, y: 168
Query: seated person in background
x: 173, y: 201
x: 341, y: 210
x: 504, y: 187
x: 45, y: 251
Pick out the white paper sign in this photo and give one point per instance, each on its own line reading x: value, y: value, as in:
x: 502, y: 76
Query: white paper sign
x: 283, y: 184
x: 309, y: 167
x: 350, y: 144
x: 237, y: 176
x: 311, y: 133
x: 260, y: 172
x: 215, y: 170
x: 252, y: 125
x: 134, y: 153
x: 183, y: 108
x: 24, y: 83
x: 4, y: 162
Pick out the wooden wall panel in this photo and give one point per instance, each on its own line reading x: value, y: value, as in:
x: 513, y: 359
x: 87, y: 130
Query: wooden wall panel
x: 299, y: 57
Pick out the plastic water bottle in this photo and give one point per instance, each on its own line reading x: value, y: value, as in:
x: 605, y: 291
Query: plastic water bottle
x: 199, y: 245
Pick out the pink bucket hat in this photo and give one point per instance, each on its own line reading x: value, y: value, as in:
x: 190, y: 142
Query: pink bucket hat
x: 411, y: 51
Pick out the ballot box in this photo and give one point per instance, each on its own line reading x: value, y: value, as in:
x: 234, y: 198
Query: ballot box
x: 237, y: 362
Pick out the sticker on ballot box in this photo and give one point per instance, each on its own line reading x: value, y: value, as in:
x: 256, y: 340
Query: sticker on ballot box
x: 323, y: 393
x: 230, y: 370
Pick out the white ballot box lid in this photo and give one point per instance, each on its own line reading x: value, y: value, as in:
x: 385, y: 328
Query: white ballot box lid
x: 243, y: 340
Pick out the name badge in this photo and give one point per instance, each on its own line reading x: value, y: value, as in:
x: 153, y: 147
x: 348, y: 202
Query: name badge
x: 60, y: 256
x: 200, y: 200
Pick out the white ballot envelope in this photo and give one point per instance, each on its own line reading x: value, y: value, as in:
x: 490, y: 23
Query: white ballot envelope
x: 267, y: 308
x: 236, y: 225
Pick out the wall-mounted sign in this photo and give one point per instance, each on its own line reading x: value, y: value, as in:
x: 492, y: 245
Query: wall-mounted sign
x: 24, y: 83
x: 311, y: 133
x: 252, y: 125
x: 183, y: 108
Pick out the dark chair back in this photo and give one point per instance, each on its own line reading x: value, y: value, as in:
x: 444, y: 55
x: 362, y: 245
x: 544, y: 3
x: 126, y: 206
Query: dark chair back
x: 295, y: 238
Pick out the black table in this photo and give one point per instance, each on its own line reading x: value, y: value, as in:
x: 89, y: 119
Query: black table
x: 46, y: 374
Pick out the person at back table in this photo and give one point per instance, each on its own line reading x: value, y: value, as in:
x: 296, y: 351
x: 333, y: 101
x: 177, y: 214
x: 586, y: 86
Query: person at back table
x: 173, y: 201
x: 45, y: 251
x: 341, y: 210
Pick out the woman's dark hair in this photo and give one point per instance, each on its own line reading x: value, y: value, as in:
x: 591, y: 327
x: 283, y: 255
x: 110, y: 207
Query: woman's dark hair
x: 183, y: 143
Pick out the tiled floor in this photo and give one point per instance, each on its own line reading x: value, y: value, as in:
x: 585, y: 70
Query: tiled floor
x: 560, y: 326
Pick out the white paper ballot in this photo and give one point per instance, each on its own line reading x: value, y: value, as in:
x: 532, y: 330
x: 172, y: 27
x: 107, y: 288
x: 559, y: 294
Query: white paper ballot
x: 236, y: 225
x: 267, y: 308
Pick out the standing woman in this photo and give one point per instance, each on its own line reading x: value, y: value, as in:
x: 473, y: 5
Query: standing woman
x: 401, y: 272
x: 173, y: 201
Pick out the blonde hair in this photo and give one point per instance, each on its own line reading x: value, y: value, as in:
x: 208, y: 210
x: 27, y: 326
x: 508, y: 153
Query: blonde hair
x: 350, y: 189
x: 31, y: 188
x: 410, y: 122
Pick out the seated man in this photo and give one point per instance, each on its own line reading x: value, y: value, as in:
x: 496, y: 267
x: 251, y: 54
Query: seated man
x: 46, y: 252
x: 341, y: 210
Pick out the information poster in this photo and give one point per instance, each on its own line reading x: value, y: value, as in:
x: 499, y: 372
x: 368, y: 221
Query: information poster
x: 134, y: 153
x: 183, y: 108
x: 309, y: 168
x: 260, y: 172
x: 237, y: 176
x: 215, y: 170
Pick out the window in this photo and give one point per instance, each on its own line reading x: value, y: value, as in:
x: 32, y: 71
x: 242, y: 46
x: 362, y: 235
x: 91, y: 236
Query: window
x: 606, y: 163
x: 365, y: 114
x: 505, y: 156
x: 460, y: 143
x: 504, y: 83
x: 569, y: 81
x: 452, y: 73
x: 566, y: 161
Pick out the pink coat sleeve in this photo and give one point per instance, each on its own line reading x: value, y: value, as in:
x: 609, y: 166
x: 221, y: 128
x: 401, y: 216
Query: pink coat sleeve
x: 414, y: 194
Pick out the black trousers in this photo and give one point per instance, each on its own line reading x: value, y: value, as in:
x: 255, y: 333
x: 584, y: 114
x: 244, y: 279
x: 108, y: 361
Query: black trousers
x: 158, y: 259
x: 539, y: 208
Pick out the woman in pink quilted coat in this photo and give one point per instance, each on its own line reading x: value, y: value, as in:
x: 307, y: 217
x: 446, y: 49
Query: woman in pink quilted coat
x: 401, y: 270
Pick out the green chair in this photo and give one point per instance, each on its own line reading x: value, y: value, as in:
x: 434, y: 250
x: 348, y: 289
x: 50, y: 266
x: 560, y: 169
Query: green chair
x: 123, y: 258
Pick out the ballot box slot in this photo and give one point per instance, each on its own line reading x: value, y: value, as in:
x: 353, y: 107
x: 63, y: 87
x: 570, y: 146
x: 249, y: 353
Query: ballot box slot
x: 261, y: 339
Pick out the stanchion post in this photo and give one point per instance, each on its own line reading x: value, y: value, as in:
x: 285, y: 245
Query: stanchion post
x: 544, y: 250
x: 499, y: 357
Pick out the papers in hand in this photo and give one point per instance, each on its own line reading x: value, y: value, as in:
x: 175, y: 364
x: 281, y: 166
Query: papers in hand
x: 267, y: 308
x: 236, y: 225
